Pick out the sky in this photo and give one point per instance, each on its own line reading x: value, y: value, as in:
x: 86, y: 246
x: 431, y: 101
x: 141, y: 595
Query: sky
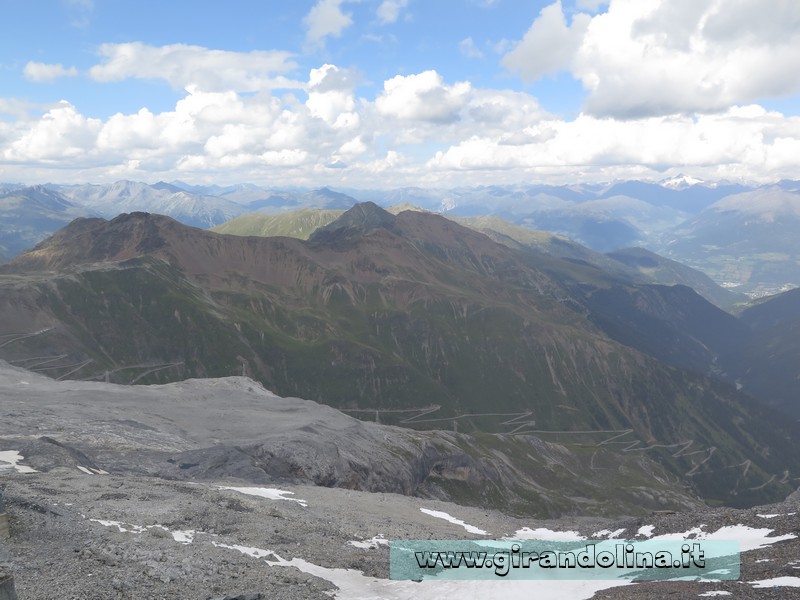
x: 389, y: 93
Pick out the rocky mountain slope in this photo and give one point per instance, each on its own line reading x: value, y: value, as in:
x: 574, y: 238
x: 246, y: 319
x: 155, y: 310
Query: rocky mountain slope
x: 201, y: 489
x: 410, y: 318
x: 109, y: 200
x: 217, y: 429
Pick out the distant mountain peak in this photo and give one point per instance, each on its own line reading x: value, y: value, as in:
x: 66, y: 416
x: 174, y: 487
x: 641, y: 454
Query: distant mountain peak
x: 361, y: 218
x: 680, y: 182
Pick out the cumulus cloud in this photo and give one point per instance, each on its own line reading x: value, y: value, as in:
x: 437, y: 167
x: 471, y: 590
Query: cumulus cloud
x: 62, y: 132
x: 449, y: 132
x: 743, y: 142
x: 550, y: 45
x: 389, y: 10
x: 43, y: 72
x: 655, y: 57
x: 326, y: 18
x: 422, y: 97
x: 330, y: 96
x: 183, y: 65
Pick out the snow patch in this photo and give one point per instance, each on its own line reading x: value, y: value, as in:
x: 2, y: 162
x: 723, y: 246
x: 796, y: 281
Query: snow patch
x: 646, y: 530
x: 354, y: 585
x: 122, y: 527
x: 749, y: 538
x: 269, y: 493
x: 248, y: 550
x: 608, y: 534
x: 546, y: 535
x: 91, y: 471
x: 714, y: 593
x: 776, y: 582
x: 12, y: 459
x: 185, y: 536
x: 371, y: 543
x: 443, y: 515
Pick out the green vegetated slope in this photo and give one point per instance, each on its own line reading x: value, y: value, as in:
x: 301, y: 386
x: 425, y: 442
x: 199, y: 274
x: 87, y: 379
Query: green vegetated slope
x: 297, y: 224
x: 377, y: 312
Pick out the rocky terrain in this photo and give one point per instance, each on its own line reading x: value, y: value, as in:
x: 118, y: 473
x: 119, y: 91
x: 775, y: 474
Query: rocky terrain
x: 76, y: 536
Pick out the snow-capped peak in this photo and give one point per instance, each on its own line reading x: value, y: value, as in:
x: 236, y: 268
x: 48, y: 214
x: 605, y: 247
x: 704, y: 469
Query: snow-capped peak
x: 680, y: 182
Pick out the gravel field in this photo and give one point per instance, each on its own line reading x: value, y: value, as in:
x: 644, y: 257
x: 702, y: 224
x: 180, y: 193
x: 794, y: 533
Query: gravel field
x: 76, y: 536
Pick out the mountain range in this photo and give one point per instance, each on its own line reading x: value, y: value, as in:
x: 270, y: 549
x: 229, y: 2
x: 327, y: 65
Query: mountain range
x: 740, y: 235
x: 410, y: 319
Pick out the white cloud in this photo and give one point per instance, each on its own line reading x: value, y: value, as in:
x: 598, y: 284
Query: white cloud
x: 450, y: 133
x: 422, y: 97
x: 744, y: 142
x: 550, y: 45
x: 61, y: 133
x: 330, y: 96
x: 468, y: 48
x: 326, y: 19
x: 42, y: 72
x: 646, y: 58
x: 182, y: 66
x: 389, y: 10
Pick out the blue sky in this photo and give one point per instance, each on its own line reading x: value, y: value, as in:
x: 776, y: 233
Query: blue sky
x: 398, y: 92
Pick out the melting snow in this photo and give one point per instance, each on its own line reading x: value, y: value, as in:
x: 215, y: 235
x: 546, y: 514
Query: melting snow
x: 91, y: 471
x: 646, y: 530
x: 182, y: 536
x: 12, y: 458
x: 185, y: 536
x: 768, y: 516
x: 443, y: 515
x: 123, y: 527
x: 354, y: 585
x: 546, y: 535
x: 776, y: 582
x: 714, y: 593
x: 749, y: 538
x: 248, y: 550
x: 610, y: 535
x: 269, y: 493
x: 370, y: 543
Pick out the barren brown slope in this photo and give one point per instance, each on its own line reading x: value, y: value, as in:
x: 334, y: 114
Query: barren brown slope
x: 416, y: 250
